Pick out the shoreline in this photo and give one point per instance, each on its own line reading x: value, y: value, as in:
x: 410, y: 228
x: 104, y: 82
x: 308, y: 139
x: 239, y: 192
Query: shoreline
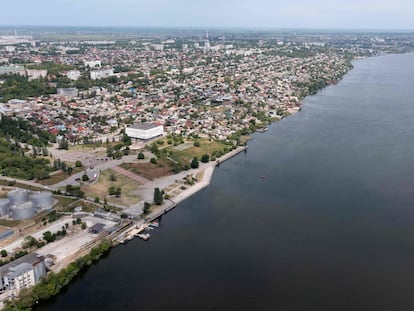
x: 208, y: 172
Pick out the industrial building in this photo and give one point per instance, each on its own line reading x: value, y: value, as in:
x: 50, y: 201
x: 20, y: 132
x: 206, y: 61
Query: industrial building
x: 144, y: 131
x: 23, y: 204
x: 22, y: 273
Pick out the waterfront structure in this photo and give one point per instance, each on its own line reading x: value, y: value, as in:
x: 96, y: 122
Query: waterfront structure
x: 144, y: 131
x: 22, y: 273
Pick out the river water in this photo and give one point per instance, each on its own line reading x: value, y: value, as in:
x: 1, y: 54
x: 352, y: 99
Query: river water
x: 329, y: 227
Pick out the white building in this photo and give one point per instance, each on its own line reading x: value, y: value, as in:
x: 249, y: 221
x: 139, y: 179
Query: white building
x: 73, y: 74
x: 100, y: 74
x: 93, y: 63
x: 22, y: 273
x: 69, y: 92
x: 36, y: 74
x: 144, y: 131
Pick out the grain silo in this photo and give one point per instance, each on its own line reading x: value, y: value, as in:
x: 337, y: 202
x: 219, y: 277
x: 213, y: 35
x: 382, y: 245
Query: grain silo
x: 18, y: 196
x: 4, y: 207
x: 42, y: 200
x: 23, y: 211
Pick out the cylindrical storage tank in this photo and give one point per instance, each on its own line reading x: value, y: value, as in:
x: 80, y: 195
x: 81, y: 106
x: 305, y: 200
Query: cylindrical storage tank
x: 42, y: 200
x: 23, y: 211
x: 18, y: 196
x: 4, y: 207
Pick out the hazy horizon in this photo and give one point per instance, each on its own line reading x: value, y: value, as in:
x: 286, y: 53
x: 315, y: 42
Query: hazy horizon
x: 373, y: 15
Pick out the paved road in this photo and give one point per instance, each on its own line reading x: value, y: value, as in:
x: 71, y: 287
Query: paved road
x: 24, y: 182
x: 72, y: 180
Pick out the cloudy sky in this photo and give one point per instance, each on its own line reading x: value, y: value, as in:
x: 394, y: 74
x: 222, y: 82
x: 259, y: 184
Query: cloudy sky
x: 337, y: 14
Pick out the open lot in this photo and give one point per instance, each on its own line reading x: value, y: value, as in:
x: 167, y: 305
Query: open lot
x: 100, y: 189
x: 149, y: 170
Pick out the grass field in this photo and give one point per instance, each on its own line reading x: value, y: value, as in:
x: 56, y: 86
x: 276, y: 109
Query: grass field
x: 206, y: 147
x: 100, y: 189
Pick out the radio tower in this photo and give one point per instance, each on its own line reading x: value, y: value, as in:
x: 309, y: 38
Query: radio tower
x: 206, y: 43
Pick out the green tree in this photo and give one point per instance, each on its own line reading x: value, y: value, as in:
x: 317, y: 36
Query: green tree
x: 85, y: 177
x: 48, y: 236
x: 147, y: 208
x: 194, y: 163
x: 140, y: 156
x: 158, y: 196
x: 205, y: 158
x: 3, y: 253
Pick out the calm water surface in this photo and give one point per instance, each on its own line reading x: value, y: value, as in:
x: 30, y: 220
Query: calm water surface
x: 331, y: 227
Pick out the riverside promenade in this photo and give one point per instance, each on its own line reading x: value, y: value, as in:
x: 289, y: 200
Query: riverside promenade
x: 208, y: 170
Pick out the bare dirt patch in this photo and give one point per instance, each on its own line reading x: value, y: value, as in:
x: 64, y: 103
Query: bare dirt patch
x: 148, y: 170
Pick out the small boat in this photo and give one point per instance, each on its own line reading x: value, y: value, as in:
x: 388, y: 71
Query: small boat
x: 155, y: 224
x: 144, y: 236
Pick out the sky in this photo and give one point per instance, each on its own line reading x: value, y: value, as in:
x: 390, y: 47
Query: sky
x: 312, y: 14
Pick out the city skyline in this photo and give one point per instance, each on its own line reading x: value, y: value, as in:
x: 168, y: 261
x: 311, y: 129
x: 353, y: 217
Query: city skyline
x: 318, y: 14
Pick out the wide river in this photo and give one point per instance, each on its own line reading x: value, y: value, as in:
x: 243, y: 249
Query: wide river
x: 317, y: 215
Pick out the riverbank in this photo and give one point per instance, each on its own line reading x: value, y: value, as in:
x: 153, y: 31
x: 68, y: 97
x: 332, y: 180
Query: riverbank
x: 207, y: 172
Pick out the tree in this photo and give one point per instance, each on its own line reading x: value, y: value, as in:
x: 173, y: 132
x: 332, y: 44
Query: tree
x: 140, y: 156
x: 85, y: 177
x: 158, y: 196
x: 96, y: 200
x: 112, y: 177
x: 48, y: 236
x: 3, y: 253
x: 205, y: 158
x: 194, y: 163
x: 111, y: 190
x: 153, y: 160
x: 63, y: 144
x: 147, y: 208
x: 196, y: 144
x: 117, y: 192
x: 78, y: 163
x: 83, y: 226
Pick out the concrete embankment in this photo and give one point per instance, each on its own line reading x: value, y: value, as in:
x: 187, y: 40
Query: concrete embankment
x: 208, y: 171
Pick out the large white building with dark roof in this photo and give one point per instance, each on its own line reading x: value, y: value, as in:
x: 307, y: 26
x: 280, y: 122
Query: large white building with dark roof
x: 144, y: 131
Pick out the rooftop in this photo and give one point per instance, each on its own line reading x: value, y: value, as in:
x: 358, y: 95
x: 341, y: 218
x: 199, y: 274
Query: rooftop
x: 144, y: 126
